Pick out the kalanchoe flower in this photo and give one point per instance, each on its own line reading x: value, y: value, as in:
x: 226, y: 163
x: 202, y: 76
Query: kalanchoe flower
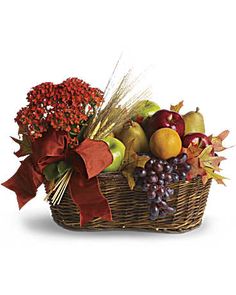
x: 66, y: 106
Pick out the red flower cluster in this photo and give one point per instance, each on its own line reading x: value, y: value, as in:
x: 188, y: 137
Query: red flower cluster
x: 66, y: 106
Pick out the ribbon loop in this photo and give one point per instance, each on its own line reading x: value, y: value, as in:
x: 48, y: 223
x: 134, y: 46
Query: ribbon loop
x: 88, y: 160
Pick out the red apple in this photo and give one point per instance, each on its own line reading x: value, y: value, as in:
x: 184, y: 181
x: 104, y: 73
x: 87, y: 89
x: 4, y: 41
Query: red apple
x: 196, y: 138
x: 164, y: 119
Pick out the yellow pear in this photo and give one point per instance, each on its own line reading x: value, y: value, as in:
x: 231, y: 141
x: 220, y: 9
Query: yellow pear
x: 132, y: 131
x: 194, y: 122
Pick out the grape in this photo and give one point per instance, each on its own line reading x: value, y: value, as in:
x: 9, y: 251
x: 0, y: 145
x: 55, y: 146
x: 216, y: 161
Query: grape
x: 151, y: 172
x: 161, y: 182
x: 166, y: 196
x: 170, y: 209
x: 154, y: 211
x: 186, y: 167
x: 154, y: 217
x: 162, y: 176
x: 151, y: 195
x: 160, y: 192
x: 168, y: 178
x: 155, y: 178
x: 152, y: 179
x: 175, y: 167
x: 142, y: 173
x: 183, y: 175
x: 175, y: 177
x: 154, y: 187
x: 137, y: 171
x: 174, y: 161
x: 182, y: 158
x: 146, y: 187
x: 149, y: 164
x: 158, y: 167
x: 170, y: 191
x: 158, y: 200
x: 168, y: 168
x: 163, y: 204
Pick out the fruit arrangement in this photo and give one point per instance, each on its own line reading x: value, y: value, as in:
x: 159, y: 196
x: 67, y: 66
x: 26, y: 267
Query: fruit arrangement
x: 165, y: 148
x: 71, y: 133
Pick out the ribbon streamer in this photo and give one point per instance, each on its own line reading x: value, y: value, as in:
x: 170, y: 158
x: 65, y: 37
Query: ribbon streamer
x: 88, y: 160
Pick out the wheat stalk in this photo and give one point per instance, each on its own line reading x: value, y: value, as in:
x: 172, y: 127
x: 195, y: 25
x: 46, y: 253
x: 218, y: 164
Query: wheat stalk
x: 107, y: 119
x: 59, y: 188
x: 60, y: 192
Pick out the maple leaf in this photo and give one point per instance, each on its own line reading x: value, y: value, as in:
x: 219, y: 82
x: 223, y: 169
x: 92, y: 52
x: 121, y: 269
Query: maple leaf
x: 25, y: 146
x: 131, y: 161
x: 176, y: 108
x: 216, y: 162
x: 205, y: 178
x: 193, y: 151
x: 204, y: 163
x: 196, y: 169
x: 217, y: 141
x: 210, y: 164
x: 128, y: 175
x: 211, y: 174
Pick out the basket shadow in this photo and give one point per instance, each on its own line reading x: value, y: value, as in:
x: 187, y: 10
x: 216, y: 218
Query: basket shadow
x: 43, y: 224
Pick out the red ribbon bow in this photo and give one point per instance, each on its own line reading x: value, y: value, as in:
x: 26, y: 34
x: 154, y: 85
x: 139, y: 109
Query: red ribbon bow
x: 88, y: 160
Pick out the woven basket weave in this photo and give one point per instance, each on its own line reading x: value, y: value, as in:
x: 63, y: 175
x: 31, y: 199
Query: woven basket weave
x: 130, y: 208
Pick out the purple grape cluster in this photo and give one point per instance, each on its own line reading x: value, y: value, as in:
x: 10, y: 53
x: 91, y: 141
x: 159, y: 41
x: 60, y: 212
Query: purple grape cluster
x: 155, y: 179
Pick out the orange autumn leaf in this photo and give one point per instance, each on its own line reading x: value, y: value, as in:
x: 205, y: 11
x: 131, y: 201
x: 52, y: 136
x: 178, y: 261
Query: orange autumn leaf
x: 204, y: 163
x: 176, y: 108
x: 196, y: 169
x: 192, y: 151
x: 131, y: 161
x: 217, y: 141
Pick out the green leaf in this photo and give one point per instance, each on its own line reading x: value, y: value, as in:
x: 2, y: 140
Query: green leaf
x: 218, y: 178
x: 51, y: 172
x: 62, y: 167
x: 205, y: 154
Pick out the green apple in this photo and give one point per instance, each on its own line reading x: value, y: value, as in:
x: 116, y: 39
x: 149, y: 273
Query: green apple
x: 117, y: 149
x: 145, y: 108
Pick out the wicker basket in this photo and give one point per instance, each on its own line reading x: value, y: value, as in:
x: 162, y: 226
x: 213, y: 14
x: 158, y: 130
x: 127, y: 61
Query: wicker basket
x: 130, y: 208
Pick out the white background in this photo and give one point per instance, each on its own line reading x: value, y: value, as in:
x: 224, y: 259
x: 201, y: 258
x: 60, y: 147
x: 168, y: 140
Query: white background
x: 191, y: 45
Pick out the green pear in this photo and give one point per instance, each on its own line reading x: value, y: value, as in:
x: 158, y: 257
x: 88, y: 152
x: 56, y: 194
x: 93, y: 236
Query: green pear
x: 132, y: 131
x: 194, y: 122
